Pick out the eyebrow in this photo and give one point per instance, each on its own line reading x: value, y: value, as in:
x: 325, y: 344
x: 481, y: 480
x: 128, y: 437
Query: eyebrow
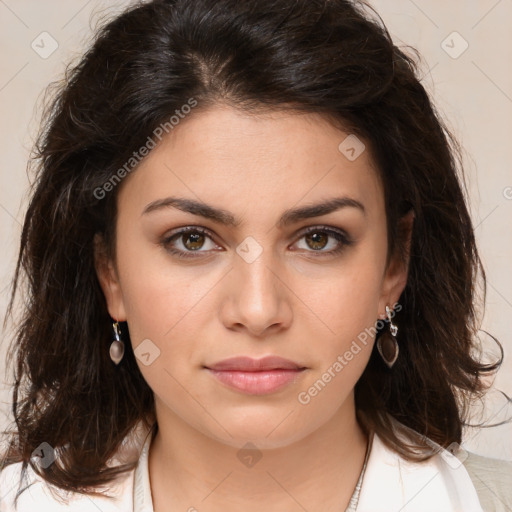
x: 226, y: 218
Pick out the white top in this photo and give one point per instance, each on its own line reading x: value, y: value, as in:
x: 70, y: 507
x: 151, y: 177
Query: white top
x: 390, y: 484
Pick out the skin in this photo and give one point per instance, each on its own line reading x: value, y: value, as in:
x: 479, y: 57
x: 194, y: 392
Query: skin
x: 292, y: 301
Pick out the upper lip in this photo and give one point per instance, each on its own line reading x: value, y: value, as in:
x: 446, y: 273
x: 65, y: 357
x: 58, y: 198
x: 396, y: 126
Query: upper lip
x: 249, y: 364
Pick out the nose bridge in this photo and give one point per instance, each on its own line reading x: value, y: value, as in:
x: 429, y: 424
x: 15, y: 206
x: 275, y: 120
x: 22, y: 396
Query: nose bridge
x: 258, y: 300
x: 255, y: 266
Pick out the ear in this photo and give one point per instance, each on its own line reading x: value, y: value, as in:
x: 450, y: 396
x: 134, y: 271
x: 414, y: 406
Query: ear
x: 395, y: 278
x: 109, y: 281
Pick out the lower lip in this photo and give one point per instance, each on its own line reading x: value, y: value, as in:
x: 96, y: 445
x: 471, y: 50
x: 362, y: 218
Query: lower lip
x: 257, y: 383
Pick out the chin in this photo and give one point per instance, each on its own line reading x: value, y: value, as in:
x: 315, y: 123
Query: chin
x: 266, y: 431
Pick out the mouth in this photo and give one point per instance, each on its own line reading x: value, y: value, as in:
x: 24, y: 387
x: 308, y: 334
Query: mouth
x: 256, y: 376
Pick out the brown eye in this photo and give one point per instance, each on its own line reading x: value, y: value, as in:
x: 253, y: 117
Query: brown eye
x: 185, y: 242
x: 317, y: 240
x: 324, y: 241
x: 193, y: 240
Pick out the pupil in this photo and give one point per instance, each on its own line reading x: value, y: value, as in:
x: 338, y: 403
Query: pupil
x: 196, y: 240
x: 318, y: 238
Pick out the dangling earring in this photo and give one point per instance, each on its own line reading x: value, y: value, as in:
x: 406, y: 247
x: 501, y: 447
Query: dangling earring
x: 117, y: 346
x: 387, y: 345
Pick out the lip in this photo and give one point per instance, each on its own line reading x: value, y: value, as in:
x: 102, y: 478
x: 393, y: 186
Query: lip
x: 256, y: 376
x: 248, y: 364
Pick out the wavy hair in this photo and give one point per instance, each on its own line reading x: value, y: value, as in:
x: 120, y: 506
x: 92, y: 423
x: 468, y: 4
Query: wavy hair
x: 333, y: 57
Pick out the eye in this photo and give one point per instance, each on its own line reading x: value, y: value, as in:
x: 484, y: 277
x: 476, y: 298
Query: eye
x: 189, y: 240
x: 316, y: 239
x: 193, y: 239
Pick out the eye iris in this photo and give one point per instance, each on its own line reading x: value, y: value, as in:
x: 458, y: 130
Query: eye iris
x: 197, y: 240
x: 317, y: 238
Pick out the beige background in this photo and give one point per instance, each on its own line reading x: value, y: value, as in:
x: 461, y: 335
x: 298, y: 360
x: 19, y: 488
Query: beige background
x: 472, y: 86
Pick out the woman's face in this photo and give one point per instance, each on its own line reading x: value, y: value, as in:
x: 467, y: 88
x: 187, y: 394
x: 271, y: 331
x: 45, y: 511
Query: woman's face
x: 248, y: 280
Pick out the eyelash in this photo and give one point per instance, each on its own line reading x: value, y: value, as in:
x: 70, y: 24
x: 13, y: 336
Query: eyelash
x: 340, y: 236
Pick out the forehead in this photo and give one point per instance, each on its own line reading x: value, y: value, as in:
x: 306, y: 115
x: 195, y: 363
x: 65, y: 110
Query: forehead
x: 255, y: 163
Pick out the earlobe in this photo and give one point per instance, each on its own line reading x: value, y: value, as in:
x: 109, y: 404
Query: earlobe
x: 108, y: 279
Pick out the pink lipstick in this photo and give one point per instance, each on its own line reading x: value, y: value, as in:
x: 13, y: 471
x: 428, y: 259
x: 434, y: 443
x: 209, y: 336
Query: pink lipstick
x: 256, y: 376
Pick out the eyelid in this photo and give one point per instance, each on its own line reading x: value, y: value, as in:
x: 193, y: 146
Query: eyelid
x: 301, y: 232
x: 341, y: 235
x: 189, y: 229
x: 328, y: 229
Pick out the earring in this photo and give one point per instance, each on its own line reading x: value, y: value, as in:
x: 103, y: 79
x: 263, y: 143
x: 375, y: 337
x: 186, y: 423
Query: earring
x: 117, y: 346
x: 387, y: 345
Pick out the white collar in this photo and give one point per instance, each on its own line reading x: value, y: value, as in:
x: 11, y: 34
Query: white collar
x: 142, y: 501
x: 390, y: 483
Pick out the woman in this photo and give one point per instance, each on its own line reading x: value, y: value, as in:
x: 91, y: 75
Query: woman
x: 251, y: 275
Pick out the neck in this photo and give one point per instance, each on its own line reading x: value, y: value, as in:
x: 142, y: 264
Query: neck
x: 319, y: 472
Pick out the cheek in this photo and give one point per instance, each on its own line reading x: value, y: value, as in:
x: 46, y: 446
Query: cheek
x: 158, y: 302
x: 347, y: 301
x: 347, y: 305
x: 164, y: 317
x: 170, y: 307
x: 348, y: 312
x: 156, y: 294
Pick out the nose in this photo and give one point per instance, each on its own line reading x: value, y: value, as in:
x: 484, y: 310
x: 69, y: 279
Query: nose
x: 257, y: 297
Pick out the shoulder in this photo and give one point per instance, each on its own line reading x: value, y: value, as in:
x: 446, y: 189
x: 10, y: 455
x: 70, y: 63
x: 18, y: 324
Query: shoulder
x: 36, y: 494
x: 492, y: 479
x: 30, y: 490
x: 468, y: 481
x: 392, y: 482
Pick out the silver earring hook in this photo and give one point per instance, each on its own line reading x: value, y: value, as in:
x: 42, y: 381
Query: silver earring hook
x: 392, y: 327
x: 116, y: 330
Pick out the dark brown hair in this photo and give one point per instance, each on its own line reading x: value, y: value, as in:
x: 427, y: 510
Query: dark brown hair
x: 332, y: 57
